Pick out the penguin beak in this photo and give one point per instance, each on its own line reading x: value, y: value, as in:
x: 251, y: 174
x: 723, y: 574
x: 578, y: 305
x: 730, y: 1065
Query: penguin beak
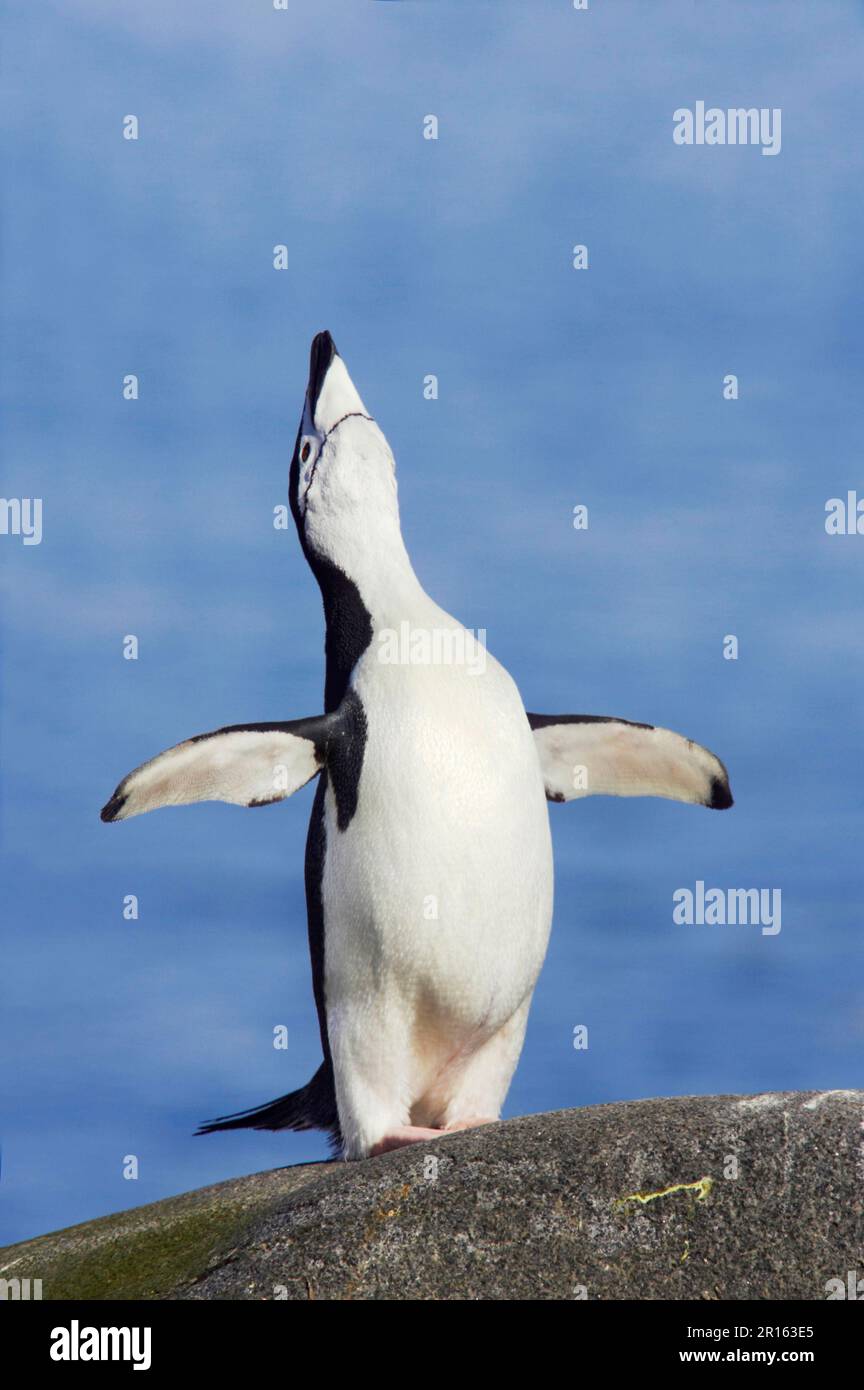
x: 320, y: 357
x: 330, y: 394
x: 331, y: 398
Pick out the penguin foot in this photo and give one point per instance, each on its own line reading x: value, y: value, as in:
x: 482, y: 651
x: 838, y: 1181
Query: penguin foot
x: 471, y: 1123
x: 402, y: 1135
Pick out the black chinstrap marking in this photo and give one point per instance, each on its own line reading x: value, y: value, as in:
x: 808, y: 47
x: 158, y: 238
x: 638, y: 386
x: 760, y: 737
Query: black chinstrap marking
x: 350, y: 415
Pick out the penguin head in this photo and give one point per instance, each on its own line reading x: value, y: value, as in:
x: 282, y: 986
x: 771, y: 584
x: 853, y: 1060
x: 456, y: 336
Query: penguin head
x: 343, y: 475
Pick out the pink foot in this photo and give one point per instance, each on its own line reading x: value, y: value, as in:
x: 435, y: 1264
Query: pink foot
x: 471, y: 1123
x: 402, y: 1135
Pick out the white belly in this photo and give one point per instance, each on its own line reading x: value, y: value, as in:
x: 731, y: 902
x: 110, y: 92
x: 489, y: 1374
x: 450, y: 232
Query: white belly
x: 438, y: 895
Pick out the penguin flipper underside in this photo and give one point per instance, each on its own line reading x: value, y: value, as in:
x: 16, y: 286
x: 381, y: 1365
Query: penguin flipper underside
x: 596, y: 755
x: 244, y: 764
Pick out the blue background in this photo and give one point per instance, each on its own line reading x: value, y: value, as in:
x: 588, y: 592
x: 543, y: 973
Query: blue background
x: 557, y: 387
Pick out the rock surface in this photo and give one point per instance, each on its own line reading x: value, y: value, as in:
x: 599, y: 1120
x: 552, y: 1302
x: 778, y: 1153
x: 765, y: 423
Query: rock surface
x: 715, y: 1197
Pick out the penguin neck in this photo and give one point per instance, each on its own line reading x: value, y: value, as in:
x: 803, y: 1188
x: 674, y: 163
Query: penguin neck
x: 357, y: 607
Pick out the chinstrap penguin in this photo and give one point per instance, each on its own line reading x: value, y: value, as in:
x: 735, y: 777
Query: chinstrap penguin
x: 428, y: 858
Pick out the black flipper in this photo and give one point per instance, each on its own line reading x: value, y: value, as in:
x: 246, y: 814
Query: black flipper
x: 596, y: 755
x: 245, y: 764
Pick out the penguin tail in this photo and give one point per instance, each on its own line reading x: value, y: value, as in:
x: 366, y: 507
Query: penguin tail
x: 312, y: 1107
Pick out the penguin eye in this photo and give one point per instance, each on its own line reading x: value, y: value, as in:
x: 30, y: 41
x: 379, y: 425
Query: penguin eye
x: 305, y: 451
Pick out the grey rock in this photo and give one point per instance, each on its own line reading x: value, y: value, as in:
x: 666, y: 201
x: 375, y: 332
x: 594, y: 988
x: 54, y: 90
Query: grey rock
x: 714, y: 1197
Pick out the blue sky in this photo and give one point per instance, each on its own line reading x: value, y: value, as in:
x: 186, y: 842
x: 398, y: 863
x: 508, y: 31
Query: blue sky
x: 557, y: 387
